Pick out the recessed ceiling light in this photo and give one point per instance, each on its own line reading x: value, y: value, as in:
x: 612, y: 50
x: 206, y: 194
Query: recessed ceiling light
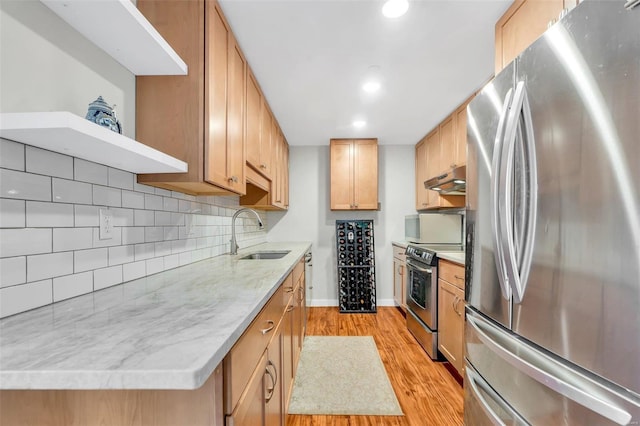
x: 358, y: 124
x: 371, y: 86
x: 395, y: 8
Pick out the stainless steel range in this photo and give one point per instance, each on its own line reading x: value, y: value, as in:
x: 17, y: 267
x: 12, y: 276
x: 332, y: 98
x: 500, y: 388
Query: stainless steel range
x: 422, y: 293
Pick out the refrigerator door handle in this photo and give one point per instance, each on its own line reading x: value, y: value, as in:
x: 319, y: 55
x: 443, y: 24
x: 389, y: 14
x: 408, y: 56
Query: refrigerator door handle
x: 524, y: 362
x: 475, y: 383
x: 517, y: 270
x: 496, y: 220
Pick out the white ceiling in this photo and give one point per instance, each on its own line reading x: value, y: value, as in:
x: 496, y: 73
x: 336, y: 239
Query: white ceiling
x: 312, y: 56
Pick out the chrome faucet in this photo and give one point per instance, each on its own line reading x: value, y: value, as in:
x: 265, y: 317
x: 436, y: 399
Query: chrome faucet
x: 234, y: 243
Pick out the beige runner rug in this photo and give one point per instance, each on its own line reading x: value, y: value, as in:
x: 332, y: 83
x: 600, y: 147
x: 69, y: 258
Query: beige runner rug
x: 342, y: 375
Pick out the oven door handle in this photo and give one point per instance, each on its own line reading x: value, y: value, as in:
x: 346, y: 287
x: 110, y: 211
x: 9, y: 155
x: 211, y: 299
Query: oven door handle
x: 414, y: 266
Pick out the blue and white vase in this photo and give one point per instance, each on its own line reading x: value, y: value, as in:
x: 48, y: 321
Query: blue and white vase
x: 102, y: 114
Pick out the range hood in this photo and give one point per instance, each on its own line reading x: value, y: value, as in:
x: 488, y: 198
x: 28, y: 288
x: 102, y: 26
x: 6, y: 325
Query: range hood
x: 453, y: 182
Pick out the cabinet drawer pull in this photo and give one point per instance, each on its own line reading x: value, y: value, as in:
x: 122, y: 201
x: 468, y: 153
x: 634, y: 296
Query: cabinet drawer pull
x: 400, y: 269
x: 233, y: 179
x: 288, y: 289
x: 268, y: 329
x: 263, y: 166
x: 459, y: 277
x: 290, y: 308
x: 274, y: 380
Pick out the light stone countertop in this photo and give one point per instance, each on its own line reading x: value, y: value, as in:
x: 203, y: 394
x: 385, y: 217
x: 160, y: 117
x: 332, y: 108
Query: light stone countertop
x: 453, y: 256
x: 165, y: 331
x: 402, y: 243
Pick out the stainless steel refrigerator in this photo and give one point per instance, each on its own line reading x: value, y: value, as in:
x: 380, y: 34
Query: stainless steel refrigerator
x: 553, y: 229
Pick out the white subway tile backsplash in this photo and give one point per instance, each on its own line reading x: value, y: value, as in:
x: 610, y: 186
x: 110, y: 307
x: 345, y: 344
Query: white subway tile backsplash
x: 11, y: 155
x: 170, y: 204
x: 87, y: 260
x: 23, y: 297
x: 153, y: 234
x: 132, y: 235
x: 152, y: 202
x: 122, y: 217
x: 72, y: 285
x: 135, y: 270
x: 105, y: 196
x: 69, y: 191
x: 162, y: 219
x: 171, y: 233
x: 86, y: 171
x: 49, y: 237
x: 13, y: 270
x: 155, y: 265
x: 107, y: 277
x: 121, y: 254
x: 163, y: 248
x: 49, y: 265
x: 12, y: 213
x: 86, y: 215
x: 65, y: 239
x: 24, y: 186
x: 143, y: 188
x: 24, y: 241
x: 49, y: 215
x: 120, y: 179
x: 133, y: 200
x: 115, y: 240
x: 48, y: 163
x: 143, y: 218
x: 172, y: 261
x: 144, y: 251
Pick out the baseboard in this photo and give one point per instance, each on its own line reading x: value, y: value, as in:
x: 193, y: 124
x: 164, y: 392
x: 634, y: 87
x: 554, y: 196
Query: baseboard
x: 334, y: 302
x: 323, y: 302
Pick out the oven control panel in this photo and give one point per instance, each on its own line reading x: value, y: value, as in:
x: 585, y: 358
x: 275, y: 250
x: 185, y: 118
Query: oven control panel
x: 421, y: 254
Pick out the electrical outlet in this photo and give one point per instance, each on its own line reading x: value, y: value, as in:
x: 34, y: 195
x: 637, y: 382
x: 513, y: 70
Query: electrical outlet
x: 106, y: 224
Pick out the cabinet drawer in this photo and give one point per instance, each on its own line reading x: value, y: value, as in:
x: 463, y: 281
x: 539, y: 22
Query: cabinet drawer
x: 452, y: 273
x: 241, y: 361
x: 399, y: 252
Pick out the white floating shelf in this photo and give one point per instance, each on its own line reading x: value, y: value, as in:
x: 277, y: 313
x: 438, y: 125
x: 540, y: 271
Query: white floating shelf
x: 69, y: 134
x: 121, y: 30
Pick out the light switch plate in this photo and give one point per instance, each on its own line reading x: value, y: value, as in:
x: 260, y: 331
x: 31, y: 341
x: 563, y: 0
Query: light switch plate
x: 106, y: 224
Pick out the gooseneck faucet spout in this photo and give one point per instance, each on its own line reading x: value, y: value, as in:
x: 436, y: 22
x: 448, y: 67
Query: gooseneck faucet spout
x: 234, y: 243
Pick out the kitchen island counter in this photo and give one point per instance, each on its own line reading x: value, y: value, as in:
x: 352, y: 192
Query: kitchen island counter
x: 165, y: 331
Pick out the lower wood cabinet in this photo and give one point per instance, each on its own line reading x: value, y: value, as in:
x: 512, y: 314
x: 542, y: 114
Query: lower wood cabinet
x: 400, y: 277
x: 260, y: 368
x: 451, y: 318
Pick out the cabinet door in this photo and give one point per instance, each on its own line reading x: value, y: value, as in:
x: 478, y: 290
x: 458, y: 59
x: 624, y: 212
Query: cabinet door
x: 399, y: 282
x: 273, y: 382
x: 451, y: 323
x: 422, y: 196
x: 288, y: 372
x: 447, y: 146
x: 254, y: 105
x: 460, y: 136
x: 250, y: 410
x: 521, y: 25
x: 341, y: 174
x: 365, y: 179
x: 433, y: 164
x: 235, y: 118
x: 285, y: 170
x: 216, y: 59
x: 266, y: 144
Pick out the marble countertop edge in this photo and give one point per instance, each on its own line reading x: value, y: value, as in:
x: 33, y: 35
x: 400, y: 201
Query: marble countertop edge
x: 156, y: 332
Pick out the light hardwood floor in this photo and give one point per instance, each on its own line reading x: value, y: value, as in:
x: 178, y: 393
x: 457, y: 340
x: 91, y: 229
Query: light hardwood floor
x: 427, y: 392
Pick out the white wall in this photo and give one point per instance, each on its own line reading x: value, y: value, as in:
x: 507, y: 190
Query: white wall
x: 309, y: 217
x: 48, y: 66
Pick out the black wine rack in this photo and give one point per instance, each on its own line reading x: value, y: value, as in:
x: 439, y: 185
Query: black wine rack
x: 356, y: 266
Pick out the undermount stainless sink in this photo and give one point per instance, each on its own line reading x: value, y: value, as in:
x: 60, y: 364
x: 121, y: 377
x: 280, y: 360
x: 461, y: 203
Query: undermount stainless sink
x: 260, y: 255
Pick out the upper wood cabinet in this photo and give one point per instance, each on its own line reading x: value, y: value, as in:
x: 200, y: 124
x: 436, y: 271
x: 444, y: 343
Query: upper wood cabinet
x: 422, y: 193
x: 460, y: 134
x: 354, y: 174
x: 522, y: 24
x: 198, y: 118
x: 259, y: 123
x: 447, y: 144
